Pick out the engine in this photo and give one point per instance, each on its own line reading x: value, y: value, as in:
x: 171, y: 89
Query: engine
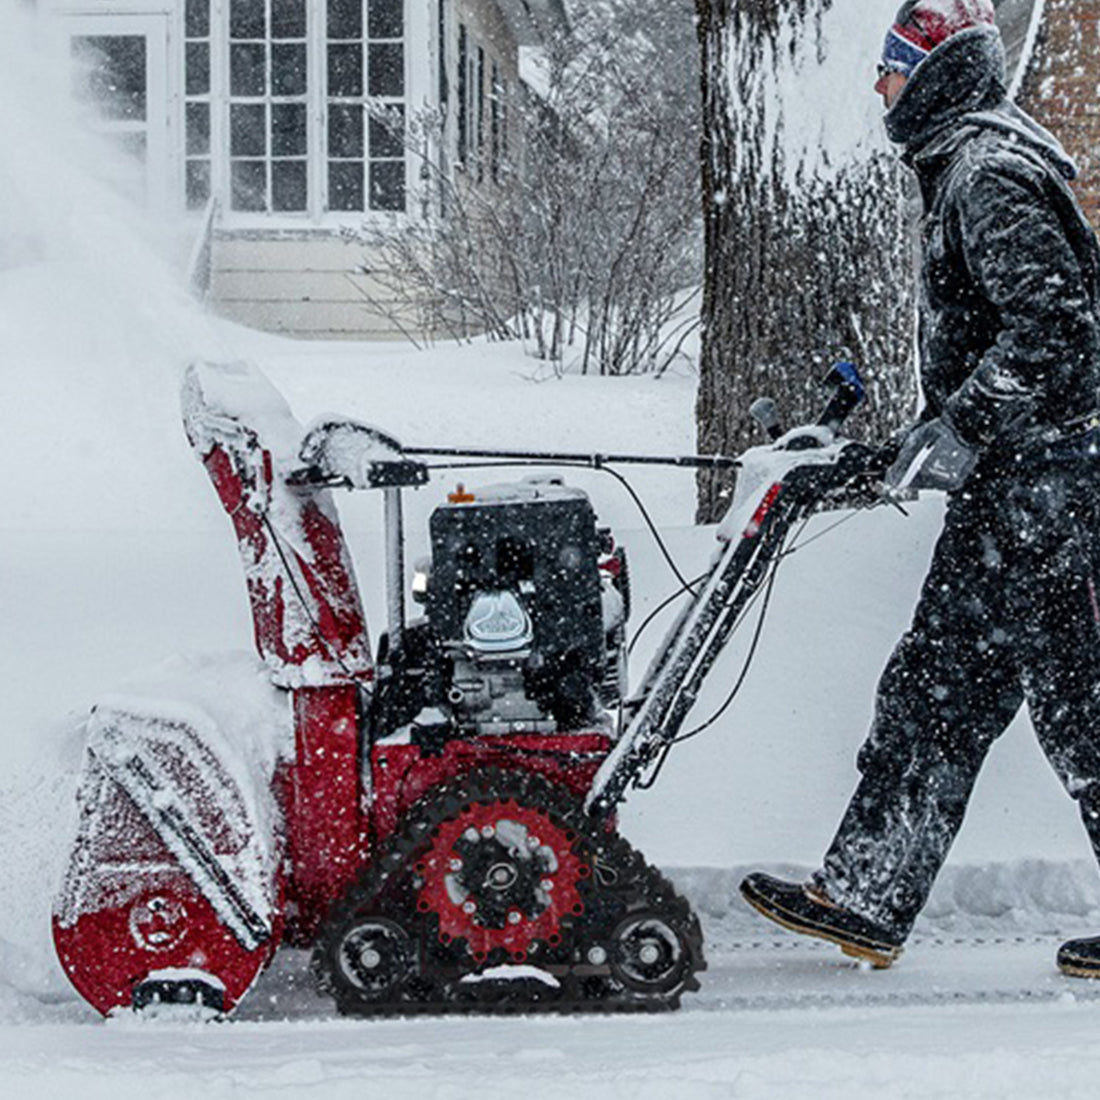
x: 525, y: 602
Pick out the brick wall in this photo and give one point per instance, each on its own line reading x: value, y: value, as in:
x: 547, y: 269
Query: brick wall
x: 1062, y: 89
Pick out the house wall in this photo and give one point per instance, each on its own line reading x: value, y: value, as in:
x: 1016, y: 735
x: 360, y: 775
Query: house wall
x: 304, y: 285
x: 297, y: 272
x: 308, y: 283
x: 1062, y: 89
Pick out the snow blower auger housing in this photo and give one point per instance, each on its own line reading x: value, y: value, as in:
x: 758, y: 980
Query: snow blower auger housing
x: 435, y: 821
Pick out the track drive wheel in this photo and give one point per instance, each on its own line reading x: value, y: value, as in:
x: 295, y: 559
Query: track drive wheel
x: 649, y: 955
x: 502, y: 874
x: 374, y: 956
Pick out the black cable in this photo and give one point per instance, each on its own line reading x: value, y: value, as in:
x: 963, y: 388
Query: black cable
x: 305, y: 603
x: 773, y: 571
x: 658, y: 609
x: 685, y: 585
x: 646, y: 784
x: 745, y: 667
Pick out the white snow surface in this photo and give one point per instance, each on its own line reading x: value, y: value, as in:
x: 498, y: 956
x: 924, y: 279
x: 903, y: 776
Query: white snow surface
x: 116, y: 556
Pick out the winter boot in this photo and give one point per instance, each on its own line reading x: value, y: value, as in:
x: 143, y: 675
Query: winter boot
x: 1080, y: 958
x: 806, y: 909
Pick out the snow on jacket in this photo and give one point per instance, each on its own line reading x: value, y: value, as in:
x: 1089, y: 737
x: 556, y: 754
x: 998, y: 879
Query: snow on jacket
x: 1010, y: 280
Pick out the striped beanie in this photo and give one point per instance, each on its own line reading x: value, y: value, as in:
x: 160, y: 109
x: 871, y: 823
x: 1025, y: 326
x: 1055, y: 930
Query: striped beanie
x: 921, y: 25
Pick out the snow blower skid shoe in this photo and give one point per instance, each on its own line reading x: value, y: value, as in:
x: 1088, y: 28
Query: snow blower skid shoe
x: 1080, y: 958
x: 796, y: 907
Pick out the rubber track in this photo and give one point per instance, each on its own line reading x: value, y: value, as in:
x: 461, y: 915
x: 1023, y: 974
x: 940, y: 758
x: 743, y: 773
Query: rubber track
x: 380, y: 886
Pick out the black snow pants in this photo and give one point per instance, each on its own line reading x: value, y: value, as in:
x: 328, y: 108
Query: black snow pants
x: 1008, y: 613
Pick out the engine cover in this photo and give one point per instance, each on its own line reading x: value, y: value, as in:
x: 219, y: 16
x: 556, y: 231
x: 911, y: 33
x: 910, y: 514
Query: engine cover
x: 515, y: 598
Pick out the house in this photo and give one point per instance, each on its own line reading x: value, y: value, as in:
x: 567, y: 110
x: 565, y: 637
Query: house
x: 1061, y: 86
x: 270, y: 127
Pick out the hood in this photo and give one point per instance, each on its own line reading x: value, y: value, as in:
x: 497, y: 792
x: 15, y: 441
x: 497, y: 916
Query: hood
x: 963, y: 75
x: 1009, y: 119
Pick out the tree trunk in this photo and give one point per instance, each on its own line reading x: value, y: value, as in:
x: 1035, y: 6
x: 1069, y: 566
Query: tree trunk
x: 806, y: 261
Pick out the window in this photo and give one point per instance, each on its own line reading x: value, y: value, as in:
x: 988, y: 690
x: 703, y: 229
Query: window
x: 479, y: 85
x: 295, y: 107
x: 480, y: 119
x: 268, y: 112
x: 116, y: 65
x: 463, y: 150
x: 109, y: 71
x: 498, y: 124
x: 365, y: 110
x: 197, y: 103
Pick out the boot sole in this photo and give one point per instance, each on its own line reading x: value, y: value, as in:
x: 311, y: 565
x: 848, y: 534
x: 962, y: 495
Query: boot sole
x: 1073, y: 969
x: 881, y: 956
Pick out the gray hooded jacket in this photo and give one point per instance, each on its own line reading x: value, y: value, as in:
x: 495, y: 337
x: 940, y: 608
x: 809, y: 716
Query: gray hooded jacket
x: 1010, y: 280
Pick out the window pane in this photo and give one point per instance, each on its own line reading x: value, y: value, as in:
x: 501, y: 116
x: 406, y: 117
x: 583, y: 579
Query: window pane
x: 387, y: 69
x: 247, y: 19
x: 197, y: 19
x: 288, y: 69
x: 288, y: 18
x: 198, y: 183
x: 387, y: 134
x: 386, y: 19
x: 288, y: 185
x: 345, y: 71
x: 387, y: 185
x: 247, y: 130
x: 345, y: 130
x: 248, y: 69
x: 198, y: 68
x: 345, y: 18
x: 345, y: 185
x: 288, y: 129
x: 110, y: 71
x: 248, y: 185
x: 198, y: 129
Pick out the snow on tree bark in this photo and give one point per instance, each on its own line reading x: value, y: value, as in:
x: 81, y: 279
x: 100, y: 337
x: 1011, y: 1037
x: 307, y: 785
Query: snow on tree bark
x: 808, y: 257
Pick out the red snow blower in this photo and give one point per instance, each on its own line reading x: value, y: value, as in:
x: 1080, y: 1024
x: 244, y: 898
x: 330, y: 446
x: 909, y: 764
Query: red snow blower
x: 434, y: 820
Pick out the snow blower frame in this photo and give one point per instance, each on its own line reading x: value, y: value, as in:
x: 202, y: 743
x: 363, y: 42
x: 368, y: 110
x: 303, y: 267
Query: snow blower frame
x: 439, y: 827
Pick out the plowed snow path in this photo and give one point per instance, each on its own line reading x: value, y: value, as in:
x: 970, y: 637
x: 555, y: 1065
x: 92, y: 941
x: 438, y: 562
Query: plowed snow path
x: 952, y: 1019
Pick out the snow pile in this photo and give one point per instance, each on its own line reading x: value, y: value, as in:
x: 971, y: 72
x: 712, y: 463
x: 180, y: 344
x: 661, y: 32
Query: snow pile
x: 1006, y: 898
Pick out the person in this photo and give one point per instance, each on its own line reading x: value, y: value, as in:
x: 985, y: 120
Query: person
x: 1009, y: 611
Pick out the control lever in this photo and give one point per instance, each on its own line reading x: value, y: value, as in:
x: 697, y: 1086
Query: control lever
x: 764, y: 411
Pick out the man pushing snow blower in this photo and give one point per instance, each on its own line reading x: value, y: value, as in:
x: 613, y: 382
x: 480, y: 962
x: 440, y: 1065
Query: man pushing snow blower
x: 1010, y: 369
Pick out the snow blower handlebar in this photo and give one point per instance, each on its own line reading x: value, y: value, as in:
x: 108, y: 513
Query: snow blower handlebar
x: 351, y: 455
x: 595, y: 461
x: 809, y: 465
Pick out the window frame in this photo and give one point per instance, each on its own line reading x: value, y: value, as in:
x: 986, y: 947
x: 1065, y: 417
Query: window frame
x: 317, y: 213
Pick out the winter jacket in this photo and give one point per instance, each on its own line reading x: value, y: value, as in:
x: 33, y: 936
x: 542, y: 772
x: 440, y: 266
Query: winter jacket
x: 1010, y: 279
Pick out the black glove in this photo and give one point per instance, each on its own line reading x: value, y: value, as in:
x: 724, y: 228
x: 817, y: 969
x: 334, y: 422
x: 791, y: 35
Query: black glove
x: 932, y: 456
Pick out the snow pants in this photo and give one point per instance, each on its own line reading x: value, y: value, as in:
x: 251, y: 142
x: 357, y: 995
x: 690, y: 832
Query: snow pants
x: 1008, y: 613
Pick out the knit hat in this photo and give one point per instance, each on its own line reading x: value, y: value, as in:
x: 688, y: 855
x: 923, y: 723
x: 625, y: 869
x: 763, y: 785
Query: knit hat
x: 921, y: 25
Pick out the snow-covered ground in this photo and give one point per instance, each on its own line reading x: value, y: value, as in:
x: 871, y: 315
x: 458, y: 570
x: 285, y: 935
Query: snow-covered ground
x: 115, y: 555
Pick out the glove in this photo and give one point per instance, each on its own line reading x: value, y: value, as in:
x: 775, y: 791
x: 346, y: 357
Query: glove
x: 932, y: 456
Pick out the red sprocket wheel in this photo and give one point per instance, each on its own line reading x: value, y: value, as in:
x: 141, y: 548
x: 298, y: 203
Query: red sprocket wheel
x: 501, y: 875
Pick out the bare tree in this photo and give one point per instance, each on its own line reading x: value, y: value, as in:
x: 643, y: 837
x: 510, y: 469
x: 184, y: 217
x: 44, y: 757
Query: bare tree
x: 588, y: 244
x: 805, y: 260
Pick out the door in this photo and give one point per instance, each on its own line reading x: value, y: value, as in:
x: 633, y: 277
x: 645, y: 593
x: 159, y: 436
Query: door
x: 118, y: 74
